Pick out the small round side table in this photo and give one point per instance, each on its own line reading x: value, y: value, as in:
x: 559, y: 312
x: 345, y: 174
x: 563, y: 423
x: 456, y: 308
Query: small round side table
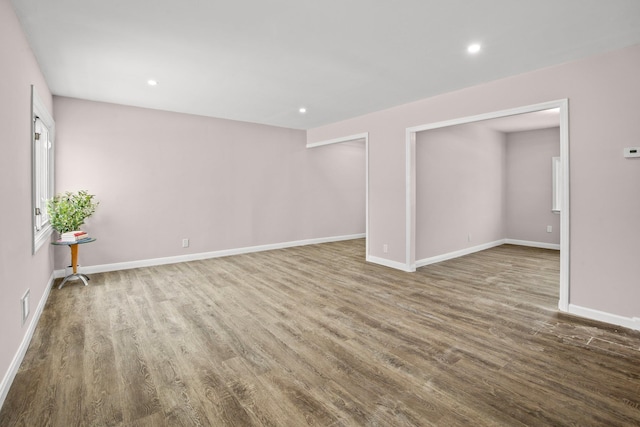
x: 74, y: 260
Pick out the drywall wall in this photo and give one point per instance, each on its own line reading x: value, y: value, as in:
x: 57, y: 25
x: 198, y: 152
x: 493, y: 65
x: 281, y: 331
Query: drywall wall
x: 529, y: 185
x: 460, y: 188
x: 161, y: 177
x: 19, y: 268
x: 604, y: 100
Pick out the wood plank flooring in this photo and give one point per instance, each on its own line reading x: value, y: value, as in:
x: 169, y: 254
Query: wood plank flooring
x: 315, y: 336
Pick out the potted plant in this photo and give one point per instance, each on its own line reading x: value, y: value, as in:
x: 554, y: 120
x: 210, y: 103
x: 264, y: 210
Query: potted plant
x: 67, y: 211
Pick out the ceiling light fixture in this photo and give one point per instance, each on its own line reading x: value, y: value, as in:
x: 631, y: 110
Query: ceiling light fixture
x: 302, y: 110
x: 474, y: 48
x: 152, y: 82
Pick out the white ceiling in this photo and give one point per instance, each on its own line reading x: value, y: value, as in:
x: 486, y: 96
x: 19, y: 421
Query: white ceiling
x: 260, y: 61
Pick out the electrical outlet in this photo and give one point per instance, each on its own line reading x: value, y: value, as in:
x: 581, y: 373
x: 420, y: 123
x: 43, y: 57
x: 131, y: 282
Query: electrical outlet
x: 549, y: 229
x: 185, y: 243
x: 25, y: 306
x: 630, y: 152
x: 385, y: 248
x: 469, y: 237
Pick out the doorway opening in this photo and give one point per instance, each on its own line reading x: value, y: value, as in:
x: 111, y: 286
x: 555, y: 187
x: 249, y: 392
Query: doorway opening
x: 357, y: 138
x: 563, y: 182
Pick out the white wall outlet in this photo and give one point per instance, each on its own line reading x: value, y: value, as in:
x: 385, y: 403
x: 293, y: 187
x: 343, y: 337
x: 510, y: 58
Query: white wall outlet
x: 385, y: 248
x: 185, y: 243
x: 25, y: 306
x: 549, y: 229
x: 469, y: 237
x: 631, y: 152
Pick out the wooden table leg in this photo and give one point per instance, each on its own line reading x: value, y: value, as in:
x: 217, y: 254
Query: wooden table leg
x: 74, y: 263
x: 74, y: 258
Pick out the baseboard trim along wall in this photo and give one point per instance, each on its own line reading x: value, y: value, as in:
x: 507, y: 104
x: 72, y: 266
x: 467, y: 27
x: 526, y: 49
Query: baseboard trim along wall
x: 388, y: 263
x: 104, y: 268
x: 459, y: 253
x: 542, y: 245
x: 9, y: 376
x: 601, y: 316
x: 484, y: 246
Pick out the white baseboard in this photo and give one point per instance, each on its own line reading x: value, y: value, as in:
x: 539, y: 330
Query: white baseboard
x: 456, y: 254
x: 9, y: 376
x: 601, y: 316
x: 541, y: 245
x: 467, y: 251
x: 103, y: 268
x: 388, y: 263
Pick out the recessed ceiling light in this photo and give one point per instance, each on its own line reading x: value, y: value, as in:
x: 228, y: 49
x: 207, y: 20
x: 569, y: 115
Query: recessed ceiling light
x: 302, y: 110
x: 474, y: 48
x: 152, y: 82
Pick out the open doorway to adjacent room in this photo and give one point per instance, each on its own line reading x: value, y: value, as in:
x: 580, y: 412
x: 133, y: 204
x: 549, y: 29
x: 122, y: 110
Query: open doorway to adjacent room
x: 478, y: 182
x: 351, y: 154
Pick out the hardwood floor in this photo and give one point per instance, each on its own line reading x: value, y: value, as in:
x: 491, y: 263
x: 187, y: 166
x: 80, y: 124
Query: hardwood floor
x: 315, y: 336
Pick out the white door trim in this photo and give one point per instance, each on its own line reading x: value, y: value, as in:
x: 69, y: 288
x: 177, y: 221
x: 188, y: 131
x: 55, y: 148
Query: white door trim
x: 410, y: 156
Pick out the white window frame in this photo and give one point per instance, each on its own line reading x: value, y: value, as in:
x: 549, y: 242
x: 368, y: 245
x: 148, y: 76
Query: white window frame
x: 42, y: 169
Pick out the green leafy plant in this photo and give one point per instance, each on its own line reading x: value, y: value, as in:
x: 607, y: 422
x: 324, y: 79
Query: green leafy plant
x: 67, y: 211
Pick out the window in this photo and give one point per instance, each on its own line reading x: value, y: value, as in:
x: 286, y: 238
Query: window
x: 42, y: 143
